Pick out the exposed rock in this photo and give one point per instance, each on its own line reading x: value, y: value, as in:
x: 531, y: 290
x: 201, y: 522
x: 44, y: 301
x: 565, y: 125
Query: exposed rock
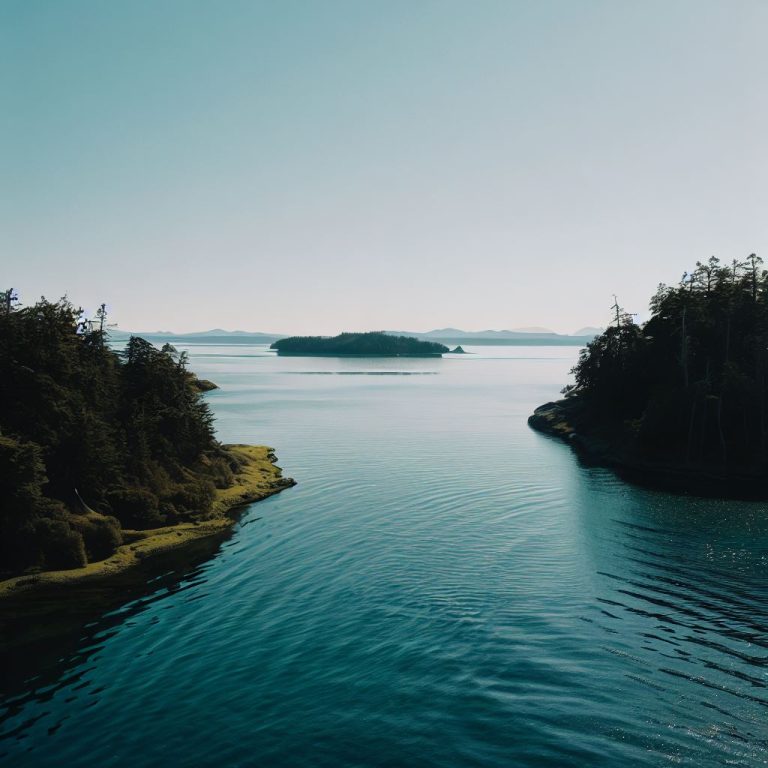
x: 203, y: 384
x: 614, y: 446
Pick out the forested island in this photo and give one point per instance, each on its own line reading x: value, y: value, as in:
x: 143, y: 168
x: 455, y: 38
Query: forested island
x: 372, y: 344
x: 680, y: 402
x: 106, y: 457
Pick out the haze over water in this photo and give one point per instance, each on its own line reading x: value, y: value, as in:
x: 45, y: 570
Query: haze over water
x: 443, y: 587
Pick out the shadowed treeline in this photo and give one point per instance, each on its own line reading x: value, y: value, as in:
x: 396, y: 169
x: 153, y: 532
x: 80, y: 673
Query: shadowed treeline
x: 91, y: 440
x: 689, y: 386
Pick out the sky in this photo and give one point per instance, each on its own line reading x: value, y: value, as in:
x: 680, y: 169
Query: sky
x: 318, y: 166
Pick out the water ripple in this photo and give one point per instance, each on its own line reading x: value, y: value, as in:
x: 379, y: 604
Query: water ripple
x: 444, y: 587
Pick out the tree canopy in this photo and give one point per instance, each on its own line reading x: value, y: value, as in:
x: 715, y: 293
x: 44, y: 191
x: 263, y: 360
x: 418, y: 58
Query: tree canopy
x: 372, y: 344
x: 93, y: 440
x: 690, y: 384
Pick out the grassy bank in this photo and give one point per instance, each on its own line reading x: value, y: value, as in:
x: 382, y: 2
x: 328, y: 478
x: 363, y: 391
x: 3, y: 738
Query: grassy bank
x: 257, y: 478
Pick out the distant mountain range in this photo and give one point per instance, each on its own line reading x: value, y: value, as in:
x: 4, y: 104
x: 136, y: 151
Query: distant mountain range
x: 515, y: 336
x: 518, y: 336
x: 216, y: 335
x: 515, y: 333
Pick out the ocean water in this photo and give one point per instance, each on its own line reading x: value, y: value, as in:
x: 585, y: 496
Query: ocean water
x: 443, y: 587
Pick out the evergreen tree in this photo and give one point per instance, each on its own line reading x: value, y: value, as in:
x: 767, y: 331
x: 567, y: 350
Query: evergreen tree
x: 690, y: 384
x: 91, y: 439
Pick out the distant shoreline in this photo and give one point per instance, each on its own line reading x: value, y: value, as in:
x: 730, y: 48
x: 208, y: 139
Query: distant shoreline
x: 258, y: 478
x: 529, y: 340
x: 214, y: 341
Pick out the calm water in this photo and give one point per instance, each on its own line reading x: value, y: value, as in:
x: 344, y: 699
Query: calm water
x: 444, y: 587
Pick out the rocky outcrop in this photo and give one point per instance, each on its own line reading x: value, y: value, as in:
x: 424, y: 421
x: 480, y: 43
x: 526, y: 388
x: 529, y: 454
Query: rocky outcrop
x: 615, y: 446
x: 203, y: 384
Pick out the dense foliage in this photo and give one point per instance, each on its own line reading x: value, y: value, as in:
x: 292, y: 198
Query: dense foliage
x: 369, y: 344
x: 93, y: 441
x: 690, y: 384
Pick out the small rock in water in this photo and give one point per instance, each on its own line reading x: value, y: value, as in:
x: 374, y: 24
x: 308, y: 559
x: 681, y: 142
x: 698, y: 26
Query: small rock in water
x: 204, y: 385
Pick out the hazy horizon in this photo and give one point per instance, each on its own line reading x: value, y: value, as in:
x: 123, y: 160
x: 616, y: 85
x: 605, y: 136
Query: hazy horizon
x: 335, y: 166
x: 269, y: 332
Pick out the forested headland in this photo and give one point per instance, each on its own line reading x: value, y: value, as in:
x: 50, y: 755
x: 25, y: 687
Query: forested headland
x: 95, y: 442
x: 371, y: 344
x: 682, y: 398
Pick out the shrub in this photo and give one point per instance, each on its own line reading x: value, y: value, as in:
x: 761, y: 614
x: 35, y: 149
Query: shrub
x: 136, y: 508
x: 101, y: 535
x: 61, y: 547
x: 193, y: 498
x: 221, y: 472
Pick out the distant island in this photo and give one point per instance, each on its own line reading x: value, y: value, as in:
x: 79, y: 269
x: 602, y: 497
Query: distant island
x: 371, y: 344
x: 106, y: 457
x: 680, y: 402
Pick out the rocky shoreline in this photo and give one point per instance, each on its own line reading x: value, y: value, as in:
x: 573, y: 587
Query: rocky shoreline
x: 614, y: 449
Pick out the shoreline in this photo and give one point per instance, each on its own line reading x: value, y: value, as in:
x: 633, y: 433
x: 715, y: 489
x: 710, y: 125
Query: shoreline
x: 257, y: 478
x: 565, y: 420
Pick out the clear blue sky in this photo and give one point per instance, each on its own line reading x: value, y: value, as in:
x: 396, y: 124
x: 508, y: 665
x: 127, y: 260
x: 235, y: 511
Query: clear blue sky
x: 325, y: 166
